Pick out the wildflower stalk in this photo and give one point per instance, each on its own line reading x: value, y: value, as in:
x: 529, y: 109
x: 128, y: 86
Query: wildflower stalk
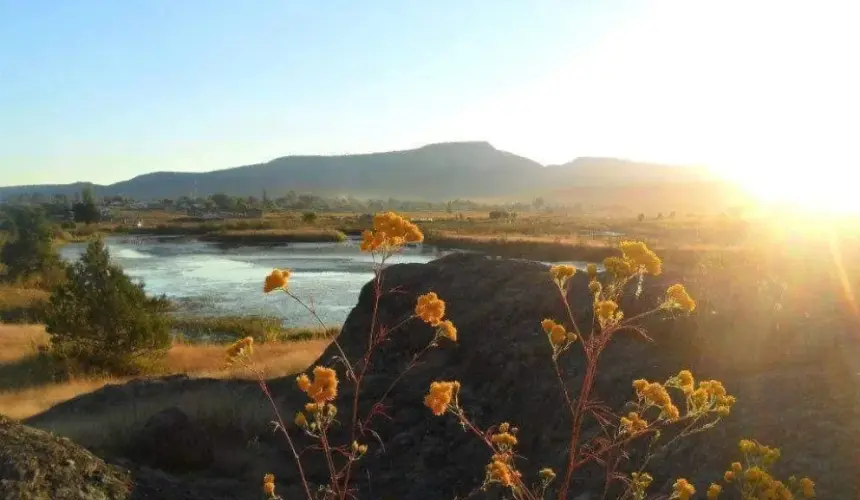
x: 265, y: 388
x: 319, y: 320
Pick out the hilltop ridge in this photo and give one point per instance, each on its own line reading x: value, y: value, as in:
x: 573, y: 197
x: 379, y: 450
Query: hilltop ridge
x: 440, y: 171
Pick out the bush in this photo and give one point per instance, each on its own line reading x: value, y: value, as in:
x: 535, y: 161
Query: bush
x: 100, y: 321
x: 309, y: 217
x: 29, y: 251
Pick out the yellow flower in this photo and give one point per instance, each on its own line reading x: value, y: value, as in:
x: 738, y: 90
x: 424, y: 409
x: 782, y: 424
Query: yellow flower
x: 606, y: 310
x: 546, y: 474
x: 737, y: 467
x: 504, y: 439
x: 558, y: 335
x: 239, y: 348
x: 807, y: 487
x: 440, y: 396
x: 679, y: 297
x: 430, y: 308
x: 324, y: 385
x: 389, y: 232
x: 547, y: 325
x: 686, y: 381
x: 683, y: 490
x: 448, y: 330
x: 729, y: 476
x: 672, y: 413
x: 714, y: 491
x: 561, y: 273
x: 591, y: 269
x: 618, y: 267
x: 276, y: 280
x: 303, y: 382
x: 633, y: 423
x: 301, y: 420
x: 642, y: 257
x: 641, y: 481
x: 269, y: 485
x: 746, y: 446
x: 595, y: 287
x: 753, y: 474
x: 500, y: 472
x: 654, y: 393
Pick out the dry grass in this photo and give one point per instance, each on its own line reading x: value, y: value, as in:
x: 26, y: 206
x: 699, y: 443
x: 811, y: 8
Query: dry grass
x: 15, y: 297
x: 19, y: 341
x: 24, y: 398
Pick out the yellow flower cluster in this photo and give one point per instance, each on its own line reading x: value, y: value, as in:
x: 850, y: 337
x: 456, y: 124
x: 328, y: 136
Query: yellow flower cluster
x: 441, y: 395
x: 640, y: 481
x: 642, y: 257
x: 607, y: 312
x: 430, y: 308
x: 595, y: 287
x: 655, y: 394
x: 618, y: 267
x: 711, y: 396
x: 714, y: 491
x: 499, y: 471
x: 447, y: 329
x: 546, y: 474
x: 591, y: 270
x: 556, y: 333
x: 561, y: 273
x: 323, y: 387
x: 241, y: 347
x: 389, y: 232
x: 276, y: 280
x: 682, y: 490
x: 269, y: 485
x: 678, y: 297
x: 633, y: 423
x: 686, y: 381
x: 501, y: 468
x: 756, y: 482
x: 506, y: 438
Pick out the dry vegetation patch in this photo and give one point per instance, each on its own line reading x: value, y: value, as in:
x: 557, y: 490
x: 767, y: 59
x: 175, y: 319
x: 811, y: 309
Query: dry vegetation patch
x: 26, y: 388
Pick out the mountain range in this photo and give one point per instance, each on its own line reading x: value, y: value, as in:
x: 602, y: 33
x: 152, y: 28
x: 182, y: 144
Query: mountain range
x: 436, y: 172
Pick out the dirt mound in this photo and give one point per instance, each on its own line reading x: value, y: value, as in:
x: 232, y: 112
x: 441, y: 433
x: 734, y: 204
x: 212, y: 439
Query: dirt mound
x: 35, y: 465
x: 785, y: 380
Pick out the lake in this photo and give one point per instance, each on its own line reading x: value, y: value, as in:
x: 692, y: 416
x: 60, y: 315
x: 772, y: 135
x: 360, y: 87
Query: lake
x: 211, y: 281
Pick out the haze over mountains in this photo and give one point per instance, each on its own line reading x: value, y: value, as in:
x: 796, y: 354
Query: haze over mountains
x: 436, y: 172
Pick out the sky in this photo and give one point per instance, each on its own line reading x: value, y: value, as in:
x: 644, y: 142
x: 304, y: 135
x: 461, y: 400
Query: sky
x: 103, y: 90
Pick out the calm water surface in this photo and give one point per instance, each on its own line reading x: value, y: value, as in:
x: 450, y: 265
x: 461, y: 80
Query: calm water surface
x: 207, y: 280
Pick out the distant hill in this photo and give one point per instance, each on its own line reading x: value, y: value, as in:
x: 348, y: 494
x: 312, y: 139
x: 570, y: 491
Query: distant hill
x: 437, y: 172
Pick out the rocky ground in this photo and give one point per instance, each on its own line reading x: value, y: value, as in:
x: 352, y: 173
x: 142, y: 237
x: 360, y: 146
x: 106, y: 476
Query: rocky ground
x: 796, y: 386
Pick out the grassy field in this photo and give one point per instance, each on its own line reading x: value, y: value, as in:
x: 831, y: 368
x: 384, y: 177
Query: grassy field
x: 25, y: 388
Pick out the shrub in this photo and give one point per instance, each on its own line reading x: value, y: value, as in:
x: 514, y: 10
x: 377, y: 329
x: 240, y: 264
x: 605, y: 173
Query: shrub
x: 101, y: 321
x: 29, y: 251
x: 681, y: 404
x: 309, y: 217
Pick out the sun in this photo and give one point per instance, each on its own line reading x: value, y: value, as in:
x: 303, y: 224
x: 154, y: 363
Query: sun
x: 813, y: 187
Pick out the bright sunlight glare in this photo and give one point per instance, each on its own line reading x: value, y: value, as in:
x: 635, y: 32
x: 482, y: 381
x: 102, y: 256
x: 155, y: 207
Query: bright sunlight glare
x: 761, y: 92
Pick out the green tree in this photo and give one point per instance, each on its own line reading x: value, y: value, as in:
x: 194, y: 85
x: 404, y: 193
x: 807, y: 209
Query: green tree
x: 29, y: 249
x: 86, y: 210
x: 101, y: 321
x: 223, y: 201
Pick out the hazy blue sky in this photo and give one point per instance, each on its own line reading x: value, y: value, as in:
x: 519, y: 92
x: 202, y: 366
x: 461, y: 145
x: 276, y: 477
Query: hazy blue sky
x: 105, y: 90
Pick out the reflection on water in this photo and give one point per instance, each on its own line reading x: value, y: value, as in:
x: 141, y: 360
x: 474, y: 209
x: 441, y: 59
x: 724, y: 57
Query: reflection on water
x: 211, y: 281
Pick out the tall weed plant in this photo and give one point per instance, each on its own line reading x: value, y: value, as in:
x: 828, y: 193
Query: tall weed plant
x: 679, y: 406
